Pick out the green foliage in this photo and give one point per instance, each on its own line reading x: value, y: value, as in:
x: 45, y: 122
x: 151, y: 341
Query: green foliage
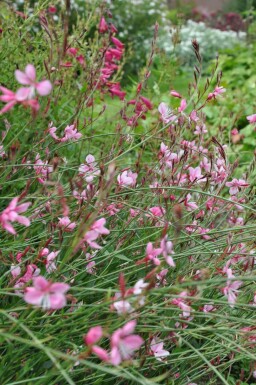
x: 47, y: 348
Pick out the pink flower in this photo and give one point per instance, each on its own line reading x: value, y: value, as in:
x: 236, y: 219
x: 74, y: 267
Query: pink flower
x: 52, y: 9
x: 72, y: 51
x: 99, y: 228
x: 190, y: 206
x: 52, y: 131
x: 183, y: 105
x: 122, y: 307
x: 127, y: 178
x: 89, y: 170
x: 46, y: 294
x: 93, y: 335
x: 28, y: 78
x: 152, y: 254
x: 12, y: 98
x: 11, y: 214
x: 195, y: 175
x: 157, y: 348
x: 235, y: 185
x: 117, y: 42
x: 180, y: 302
x: 95, y: 231
x: 218, y: 91
x: 90, y: 267
x: 139, y: 287
x: 2, y: 151
x: 157, y: 211
x: 251, y: 118
x: 50, y: 264
x: 42, y: 169
x: 116, y: 90
x: 71, y: 133
x: 208, y: 308
x: 124, y: 343
x: 231, y: 288
x: 32, y: 271
x: 193, y: 116
x: 147, y: 102
x: 101, y: 353
x: 103, y: 26
x: 167, y: 249
x: 66, y: 224
x: 166, y: 113
x: 8, y: 97
x: 175, y: 94
x: 200, y: 130
x: 15, y: 271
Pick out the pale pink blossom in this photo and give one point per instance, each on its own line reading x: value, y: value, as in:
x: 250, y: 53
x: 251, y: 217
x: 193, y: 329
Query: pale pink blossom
x: 157, y: 211
x: 95, y: 231
x: 28, y: 78
x: 46, y: 294
x: 71, y: 133
x: 205, y: 164
x: 124, y: 343
x: 235, y: 185
x: 169, y: 158
x: 21, y: 96
x: 139, y: 286
x: 12, y: 214
x: 9, y: 97
x: 181, y: 303
x: 31, y: 272
x: 193, y: 116
x: 167, y: 249
x: 89, y: 170
x: 112, y: 209
x: 80, y: 196
x: 15, y: 271
x: 90, y: 267
x: 218, y: 91
x: 2, y: 151
x: 190, y: 206
x: 200, y: 130
x: 195, y: 175
x: 157, y: 348
x: 42, y: 169
x: 251, y: 118
x: 152, y: 254
x: 52, y: 131
x: 123, y: 307
x: 50, y: 264
x: 166, y: 113
x: 127, y: 178
x: 204, y: 232
x: 134, y: 213
x: 208, y: 308
x: 66, y: 225
x: 161, y: 277
x: 231, y: 288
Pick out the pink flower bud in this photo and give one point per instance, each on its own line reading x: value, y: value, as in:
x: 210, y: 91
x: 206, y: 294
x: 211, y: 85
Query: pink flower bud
x: 93, y: 335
